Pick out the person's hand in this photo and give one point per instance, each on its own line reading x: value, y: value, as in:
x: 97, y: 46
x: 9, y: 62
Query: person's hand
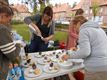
x: 65, y: 57
x: 45, y: 40
x: 73, y: 48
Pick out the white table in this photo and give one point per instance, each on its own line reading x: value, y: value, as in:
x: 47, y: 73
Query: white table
x: 61, y: 72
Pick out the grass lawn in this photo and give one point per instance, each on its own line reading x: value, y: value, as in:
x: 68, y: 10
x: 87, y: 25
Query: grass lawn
x: 23, y: 30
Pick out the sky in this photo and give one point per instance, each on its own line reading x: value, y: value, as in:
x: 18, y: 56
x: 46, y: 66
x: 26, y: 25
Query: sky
x: 64, y: 1
x: 53, y: 2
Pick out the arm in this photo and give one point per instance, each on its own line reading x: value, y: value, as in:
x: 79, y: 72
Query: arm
x: 30, y: 21
x: 51, y: 32
x: 84, y: 45
x: 9, y: 49
x: 73, y: 33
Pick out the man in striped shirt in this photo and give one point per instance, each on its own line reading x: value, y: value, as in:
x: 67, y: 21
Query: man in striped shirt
x: 8, y: 50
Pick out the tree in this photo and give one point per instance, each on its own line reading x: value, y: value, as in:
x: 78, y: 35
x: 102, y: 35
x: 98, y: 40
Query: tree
x: 42, y: 5
x: 95, y: 9
x: 74, y: 4
x: 35, y: 10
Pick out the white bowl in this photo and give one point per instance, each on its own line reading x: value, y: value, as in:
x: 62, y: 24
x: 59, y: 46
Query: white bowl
x: 66, y: 64
x: 77, y: 61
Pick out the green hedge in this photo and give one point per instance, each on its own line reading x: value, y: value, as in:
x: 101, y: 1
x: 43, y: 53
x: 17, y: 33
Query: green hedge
x: 15, y: 22
x: 61, y: 26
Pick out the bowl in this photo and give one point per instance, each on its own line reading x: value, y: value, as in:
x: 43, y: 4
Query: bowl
x: 66, y: 64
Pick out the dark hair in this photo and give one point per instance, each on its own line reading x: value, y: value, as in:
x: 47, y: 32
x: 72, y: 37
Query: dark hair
x: 3, y: 3
x: 79, y: 12
x: 48, y: 10
x: 6, y: 9
x: 79, y: 18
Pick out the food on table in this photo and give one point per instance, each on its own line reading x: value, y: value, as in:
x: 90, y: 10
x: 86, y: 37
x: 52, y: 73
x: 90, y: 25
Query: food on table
x: 37, y: 71
x: 66, y: 64
x: 46, y: 59
x: 52, y: 66
x: 73, y: 48
x: 57, y: 56
x: 25, y: 63
x: 34, y: 66
x: 40, y: 53
x: 31, y: 71
x: 26, y: 54
x: 28, y: 61
x: 61, y: 61
x: 54, y: 53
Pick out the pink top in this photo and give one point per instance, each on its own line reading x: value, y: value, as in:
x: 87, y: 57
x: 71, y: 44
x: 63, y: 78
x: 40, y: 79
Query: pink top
x: 72, y: 37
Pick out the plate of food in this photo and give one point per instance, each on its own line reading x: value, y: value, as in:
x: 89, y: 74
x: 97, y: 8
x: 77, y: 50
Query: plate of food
x: 33, y: 71
x: 76, y: 61
x: 39, y: 54
x: 51, y: 68
x: 55, y: 58
x: 26, y: 63
x: 27, y: 56
x: 65, y: 64
x: 44, y: 60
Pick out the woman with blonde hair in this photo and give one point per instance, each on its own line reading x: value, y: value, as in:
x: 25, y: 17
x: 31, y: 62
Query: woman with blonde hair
x: 72, y: 42
x: 93, y: 48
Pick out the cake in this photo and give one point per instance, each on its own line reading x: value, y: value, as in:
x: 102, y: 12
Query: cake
x: 37, y: 71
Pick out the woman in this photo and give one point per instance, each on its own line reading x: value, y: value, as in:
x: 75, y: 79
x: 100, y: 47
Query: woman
x: 8, y: 50
x: 44, y: 30
x: 72, y: 42
x: 93, y: 48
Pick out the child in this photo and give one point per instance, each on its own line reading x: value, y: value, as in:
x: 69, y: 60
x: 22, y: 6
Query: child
x: 11, y: 73
x: 18, y: 72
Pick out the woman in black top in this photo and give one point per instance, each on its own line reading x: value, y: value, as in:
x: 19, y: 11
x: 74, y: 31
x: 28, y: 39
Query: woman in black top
x: 44, y: 30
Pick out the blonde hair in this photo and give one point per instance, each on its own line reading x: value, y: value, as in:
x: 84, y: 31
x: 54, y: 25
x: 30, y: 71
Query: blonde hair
x: 79, y: 18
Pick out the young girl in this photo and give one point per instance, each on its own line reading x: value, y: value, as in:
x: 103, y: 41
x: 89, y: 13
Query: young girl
x: 11, y: 73
x: 18, y: 72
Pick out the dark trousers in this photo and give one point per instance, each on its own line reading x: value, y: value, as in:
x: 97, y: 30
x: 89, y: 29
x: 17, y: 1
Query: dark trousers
x: 37, y: 45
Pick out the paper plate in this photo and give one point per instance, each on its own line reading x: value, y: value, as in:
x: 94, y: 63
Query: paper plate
x: 31, y: 74
x: 46, y: 69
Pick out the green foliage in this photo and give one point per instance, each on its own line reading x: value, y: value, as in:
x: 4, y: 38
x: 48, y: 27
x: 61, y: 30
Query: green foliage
x: 95, y: 9
x: 61, y: 26
x: 72, y: 14
x: 35, y: 9
x: 23, y: 30
x: 15, y: 22
x: 42, y: 6
x: 60, y: 35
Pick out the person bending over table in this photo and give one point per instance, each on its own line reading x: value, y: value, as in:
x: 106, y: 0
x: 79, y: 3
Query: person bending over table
x: 93, y: 48
x: 44, y: 30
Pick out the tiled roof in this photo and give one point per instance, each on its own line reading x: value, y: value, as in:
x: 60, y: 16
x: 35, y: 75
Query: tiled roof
x: 21, y: 8
x: 61, y: 7
x: 79, y: 5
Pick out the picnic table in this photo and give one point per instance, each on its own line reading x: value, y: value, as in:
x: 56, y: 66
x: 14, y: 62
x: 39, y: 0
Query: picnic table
x: 45, y: 75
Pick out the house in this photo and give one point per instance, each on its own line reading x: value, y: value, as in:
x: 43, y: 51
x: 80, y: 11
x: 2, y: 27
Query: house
x: 86, y: 5
x: 20, y: 11
x: 62, y: 11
